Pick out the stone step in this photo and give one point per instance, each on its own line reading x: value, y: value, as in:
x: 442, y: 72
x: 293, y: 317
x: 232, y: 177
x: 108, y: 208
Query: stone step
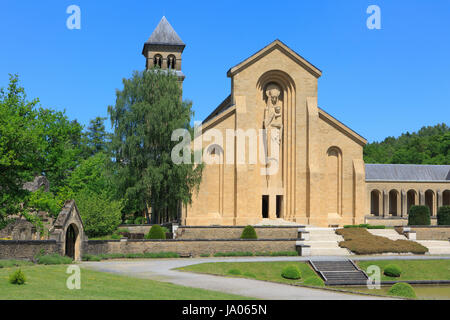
x: 436, y: 246
x: 321, y: 244
x: 387, y: 233
x: 329, y: 252
x: 329, y: 237
x: 343, y: 272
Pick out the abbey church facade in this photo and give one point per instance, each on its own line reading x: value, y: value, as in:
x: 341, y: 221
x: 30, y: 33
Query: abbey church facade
x: 309, y: 167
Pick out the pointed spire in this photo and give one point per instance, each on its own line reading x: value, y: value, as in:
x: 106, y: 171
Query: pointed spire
x: 165, y: 34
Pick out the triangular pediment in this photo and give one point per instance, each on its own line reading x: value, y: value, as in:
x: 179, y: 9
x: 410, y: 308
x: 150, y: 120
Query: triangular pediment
x: 276, y: 45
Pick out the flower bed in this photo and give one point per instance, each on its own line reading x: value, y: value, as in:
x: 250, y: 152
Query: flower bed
x: 360, y: 241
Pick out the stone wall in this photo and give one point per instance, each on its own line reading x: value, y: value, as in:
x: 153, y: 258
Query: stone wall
x: 223, y: 232
x: 136, y: 228
x: 27, y: 249
x: 184, y: 247
x: 392, y: 221
x: 430, y: 232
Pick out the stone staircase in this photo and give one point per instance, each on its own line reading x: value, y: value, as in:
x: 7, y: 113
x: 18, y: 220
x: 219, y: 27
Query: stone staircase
x: 436, y: 246
x: 324, y: 242
x: 339, y: 272
x: 387, y: 233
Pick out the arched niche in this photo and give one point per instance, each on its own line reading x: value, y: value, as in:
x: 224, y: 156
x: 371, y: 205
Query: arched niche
x: 283, y: 183
x: 333, y: 180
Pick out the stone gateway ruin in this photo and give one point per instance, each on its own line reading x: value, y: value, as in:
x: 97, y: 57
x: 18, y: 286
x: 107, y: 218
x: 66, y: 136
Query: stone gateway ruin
x: 65, y: 236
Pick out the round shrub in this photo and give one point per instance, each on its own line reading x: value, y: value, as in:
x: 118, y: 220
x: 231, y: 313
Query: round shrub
x: 392, y: 270
x: 419, y: 216
x: 443, y: 216
x: 234, y: 272
x: 156, y: 232
x: 314, y: 281
x: 291, y: 272
x: 249, y: 233
x: 18, y: 277
x: 402, y: 290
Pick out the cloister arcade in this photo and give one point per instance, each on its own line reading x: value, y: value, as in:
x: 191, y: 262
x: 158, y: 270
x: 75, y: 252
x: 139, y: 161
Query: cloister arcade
x: 396, y: 202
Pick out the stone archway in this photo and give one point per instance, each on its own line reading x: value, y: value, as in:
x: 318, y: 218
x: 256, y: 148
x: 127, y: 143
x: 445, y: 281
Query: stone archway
x: 430, y: 201
x: 411, y: 199
x: 72, y: 249
x: 375, y: 200
x: 68, y: 231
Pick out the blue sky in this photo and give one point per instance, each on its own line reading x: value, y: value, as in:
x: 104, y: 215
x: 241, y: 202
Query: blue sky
x: 378, y: 82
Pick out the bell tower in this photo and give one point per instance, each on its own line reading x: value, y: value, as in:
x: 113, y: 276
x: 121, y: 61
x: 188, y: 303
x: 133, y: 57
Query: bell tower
x: 164, y: 49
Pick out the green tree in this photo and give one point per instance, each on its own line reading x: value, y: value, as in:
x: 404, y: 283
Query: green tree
x: 430, y: 145
x: 100, y: 214
x: 96, y: 138
x: 148, y: 109
x: 20, y: 146
x: 62, y: 147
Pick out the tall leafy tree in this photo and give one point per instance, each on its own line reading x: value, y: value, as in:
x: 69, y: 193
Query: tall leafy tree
x: 62, y: 141
x: 20, y: 146
x: 147, y: 110
x: 96, y: 137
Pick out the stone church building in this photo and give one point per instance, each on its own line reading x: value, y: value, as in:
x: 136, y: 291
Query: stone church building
x: 309, y: 166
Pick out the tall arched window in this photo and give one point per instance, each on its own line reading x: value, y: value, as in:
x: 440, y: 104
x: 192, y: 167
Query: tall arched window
x: 171, y: 61
x: 157, y: 60
x: 215, y: 169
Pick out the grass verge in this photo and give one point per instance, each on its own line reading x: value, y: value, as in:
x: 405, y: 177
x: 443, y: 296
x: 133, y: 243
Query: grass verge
x: 49, y: 283
x: 266, y: 271
x: 412, y: 269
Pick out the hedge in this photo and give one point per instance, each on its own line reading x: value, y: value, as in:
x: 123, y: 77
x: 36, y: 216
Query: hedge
x: 443, y: 216
x: 419, y: 216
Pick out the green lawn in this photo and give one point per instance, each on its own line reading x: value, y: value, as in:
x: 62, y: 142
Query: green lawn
x: 268, y: 271
x: 413, y: 269
x: 423, y: 292
x: 49, y: 282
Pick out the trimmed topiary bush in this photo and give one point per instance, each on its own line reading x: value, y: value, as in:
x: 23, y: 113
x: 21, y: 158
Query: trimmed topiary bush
x: 156, y: 232
x: 314, y: 281
x: 402, y: 290
x: 392, y: 270
x: 443, y: 216
x: 234, y: 272
x: 419, y: 216
x: 249, y: 233
x: 291, y: 272
x: 18, y: 277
